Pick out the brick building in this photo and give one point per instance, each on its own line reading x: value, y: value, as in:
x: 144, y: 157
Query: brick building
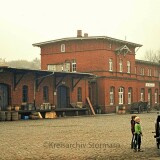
x: 120, y: 78
x: 38, y: 88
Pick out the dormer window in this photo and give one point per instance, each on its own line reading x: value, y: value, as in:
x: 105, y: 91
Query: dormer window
x: 62, y: 47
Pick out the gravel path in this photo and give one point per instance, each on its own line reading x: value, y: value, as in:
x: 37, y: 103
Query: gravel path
x: 100, y: 137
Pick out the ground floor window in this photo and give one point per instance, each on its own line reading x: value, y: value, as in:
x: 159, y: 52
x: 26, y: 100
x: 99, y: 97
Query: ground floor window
x: 111, y: 95
x: 156, y: 96
x: 120, y: 94
x: 149, y: 96
x: 142, y: 95
x: 129, y: 95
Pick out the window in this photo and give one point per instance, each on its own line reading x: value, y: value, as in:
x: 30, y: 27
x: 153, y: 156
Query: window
x: 135, y: 70
x: 149, y: 98
x: 120, y: 95
x: 156, y: 96
x: 51, y: 67
x: 149, y: 72
x: 74, y: 67
x: 129, y: 95
x: 142, y: 94
x: 142, y: 71
x: 62, y: 47
x: 128, y: 67
x: 45, y: 94
x: 111, y: 95
x: 25, y: 93
x: 110, y: 64
x: 156, y: 73
x: 67, y: 67
x: 79, y: 94
x: 120, y: 65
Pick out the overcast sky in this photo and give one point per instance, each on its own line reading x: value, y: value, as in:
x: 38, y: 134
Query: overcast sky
x: 25, y: 22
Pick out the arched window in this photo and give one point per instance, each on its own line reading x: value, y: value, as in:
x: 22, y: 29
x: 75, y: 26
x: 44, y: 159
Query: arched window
x: 120, y: 66
x: 129, y: 95
x: 45, y: 94
x: 110, y: 64
x: 156, y: 96
x: 62, y: 47
x: 111, y: 95
x: 121, y: 95
x: 128, y: 67
x: 142, y: 71
x: 149, y: 72
x: 142, y: 94
x: 25, y: 94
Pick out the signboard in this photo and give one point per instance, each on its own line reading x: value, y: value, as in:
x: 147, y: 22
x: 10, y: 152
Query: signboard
x: 150, y: 84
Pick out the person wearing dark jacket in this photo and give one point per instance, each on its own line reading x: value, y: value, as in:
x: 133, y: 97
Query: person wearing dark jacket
x: 133, y: 130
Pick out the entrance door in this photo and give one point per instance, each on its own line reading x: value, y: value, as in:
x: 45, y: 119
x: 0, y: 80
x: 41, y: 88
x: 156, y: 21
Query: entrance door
x: 63, y: 97
x: 3, y: 96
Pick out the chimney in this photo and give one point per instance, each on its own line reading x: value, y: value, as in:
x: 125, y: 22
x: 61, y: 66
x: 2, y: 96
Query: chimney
x: 79, y: 33
x: 85, y: 34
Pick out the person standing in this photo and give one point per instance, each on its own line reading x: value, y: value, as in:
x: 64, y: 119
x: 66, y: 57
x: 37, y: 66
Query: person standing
x: 133, y: 130
x: 138, y: 134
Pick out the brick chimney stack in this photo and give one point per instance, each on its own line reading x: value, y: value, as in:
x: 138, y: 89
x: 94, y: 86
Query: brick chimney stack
x: 79, y: 33
x: 85, y: 34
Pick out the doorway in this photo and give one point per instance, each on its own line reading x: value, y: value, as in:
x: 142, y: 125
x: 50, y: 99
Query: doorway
x: 63, y: 98
x: 3, y: 96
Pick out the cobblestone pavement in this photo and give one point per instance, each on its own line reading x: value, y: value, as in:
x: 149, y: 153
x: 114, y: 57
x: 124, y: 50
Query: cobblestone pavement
x: 100, y: 137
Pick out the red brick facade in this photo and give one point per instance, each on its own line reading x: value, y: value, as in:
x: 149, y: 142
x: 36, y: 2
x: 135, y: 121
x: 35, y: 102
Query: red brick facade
x: 119, y: 75
x: 58, y: 84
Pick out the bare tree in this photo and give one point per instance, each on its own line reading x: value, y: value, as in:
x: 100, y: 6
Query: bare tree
x: 152, y: 56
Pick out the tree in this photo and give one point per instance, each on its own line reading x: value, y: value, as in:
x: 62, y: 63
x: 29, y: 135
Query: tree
x: 152, y: 56
x: 35, y: 64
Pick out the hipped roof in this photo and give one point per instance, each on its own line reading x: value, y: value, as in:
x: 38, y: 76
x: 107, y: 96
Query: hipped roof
x: 88, y: 38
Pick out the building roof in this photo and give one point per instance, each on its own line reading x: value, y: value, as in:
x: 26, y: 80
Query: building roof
x: 147, y: 62
x: 87, y: 38
x: 46, y: 73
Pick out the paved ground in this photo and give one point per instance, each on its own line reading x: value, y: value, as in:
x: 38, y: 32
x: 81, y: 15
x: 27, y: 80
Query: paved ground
x: 102, y: 137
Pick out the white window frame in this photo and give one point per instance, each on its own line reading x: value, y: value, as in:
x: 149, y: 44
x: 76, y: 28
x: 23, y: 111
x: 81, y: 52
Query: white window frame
x: 149, y: 72
x: 135, y: 70
x: 142, y: 71
x: 128, y: 67
x: 74, y: 66
x: 110, y: 64
x: 142, y: 94
x: 156, y: 96
x: 63, y: 47
x: 129, y: 95
x: 111, y: 95
x: 149, y: 98
x: 120, y: 65
x: 51, y: 67
x: 120, y: 95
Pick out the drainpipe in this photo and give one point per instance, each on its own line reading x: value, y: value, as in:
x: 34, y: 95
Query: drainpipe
x: 34, y: 94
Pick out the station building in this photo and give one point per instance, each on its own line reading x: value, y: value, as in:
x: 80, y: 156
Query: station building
x: 120, y: 78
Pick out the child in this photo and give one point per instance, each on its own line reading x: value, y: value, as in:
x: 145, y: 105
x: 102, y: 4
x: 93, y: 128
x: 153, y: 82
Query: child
x: 138, y: 134
x: 132, y: 130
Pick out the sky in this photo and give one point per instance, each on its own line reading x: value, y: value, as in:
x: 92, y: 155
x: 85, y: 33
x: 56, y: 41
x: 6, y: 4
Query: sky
x: 25, y: 22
